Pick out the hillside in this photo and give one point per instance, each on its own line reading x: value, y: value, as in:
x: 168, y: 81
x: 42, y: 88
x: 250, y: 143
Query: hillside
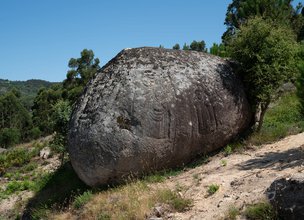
x: 242, y: 179
x: 28, y: 88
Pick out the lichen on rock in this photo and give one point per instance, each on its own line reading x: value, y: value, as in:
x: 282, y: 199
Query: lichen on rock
x: 152, y: 108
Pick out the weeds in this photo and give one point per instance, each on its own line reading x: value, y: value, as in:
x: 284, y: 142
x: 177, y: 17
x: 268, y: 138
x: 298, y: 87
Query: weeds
x: 262, y: 210
x: 233, y: 212
x: 213, y: 188
x: 82, y: 199
x: 282, y: 119
x: 173, y: 199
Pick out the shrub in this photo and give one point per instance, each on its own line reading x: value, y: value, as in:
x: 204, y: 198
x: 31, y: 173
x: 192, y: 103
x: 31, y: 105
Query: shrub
x: 213, y: 188
x: 35, y: 133
x: 9, y: 137
x: 262, y: 210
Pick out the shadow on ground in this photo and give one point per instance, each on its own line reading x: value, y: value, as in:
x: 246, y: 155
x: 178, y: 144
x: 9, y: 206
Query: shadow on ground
x: 276, y: 160
x: 58, y: 191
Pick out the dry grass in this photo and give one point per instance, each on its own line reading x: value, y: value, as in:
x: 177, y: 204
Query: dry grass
x: 131, y: 201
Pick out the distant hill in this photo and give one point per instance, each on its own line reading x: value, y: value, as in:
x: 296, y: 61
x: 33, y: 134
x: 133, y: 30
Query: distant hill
x: 28, y: 89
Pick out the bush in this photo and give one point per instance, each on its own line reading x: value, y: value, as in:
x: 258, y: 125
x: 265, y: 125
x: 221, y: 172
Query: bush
x: 35, y: 133
x: 213, y: 188
x: 9, y: 137
x: 259, y: 211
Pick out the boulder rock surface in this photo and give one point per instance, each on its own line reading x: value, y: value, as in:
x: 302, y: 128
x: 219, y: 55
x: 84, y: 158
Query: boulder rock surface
x: 287, y: 197
x: 152, y: 108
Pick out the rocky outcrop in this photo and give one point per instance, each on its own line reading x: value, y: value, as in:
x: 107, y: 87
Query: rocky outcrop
x: 287, y: 197
x: 152, y: 108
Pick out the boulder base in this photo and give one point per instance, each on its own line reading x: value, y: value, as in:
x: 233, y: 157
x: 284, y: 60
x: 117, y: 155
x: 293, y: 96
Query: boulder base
x: 152, y: 108
x: 287, y: 197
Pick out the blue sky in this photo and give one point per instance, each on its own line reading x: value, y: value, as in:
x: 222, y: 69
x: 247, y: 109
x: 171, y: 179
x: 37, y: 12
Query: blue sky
x: 38, y: 38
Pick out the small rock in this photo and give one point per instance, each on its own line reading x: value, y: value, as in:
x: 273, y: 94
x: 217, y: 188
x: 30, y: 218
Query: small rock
x: 45, y: 153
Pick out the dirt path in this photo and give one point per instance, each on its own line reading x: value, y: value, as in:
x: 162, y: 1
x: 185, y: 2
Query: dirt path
x: 242, y: 181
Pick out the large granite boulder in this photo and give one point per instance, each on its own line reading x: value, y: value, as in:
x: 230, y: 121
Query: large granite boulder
x: 152, y: 108
x: 287, y: 197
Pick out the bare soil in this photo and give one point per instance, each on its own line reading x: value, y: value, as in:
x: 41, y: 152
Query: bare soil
x: 242, y: 181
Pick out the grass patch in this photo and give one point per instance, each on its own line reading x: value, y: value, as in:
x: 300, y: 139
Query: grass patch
x: 18, y: 157
x: 82, y: 199
x: 134, y: 200
x: 262, y: 210
x: 282, y: 119
x: 232, y: 213
x: 173, y: 199
x: 56, y: 190
x: 213, y: 188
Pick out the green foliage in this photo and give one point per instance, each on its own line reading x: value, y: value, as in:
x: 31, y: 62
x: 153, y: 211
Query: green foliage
x: 16, y: 186
x: 199, y: 46
x: 266, y: 55
x: 61, y: 116
x: 43, y: 108
x: 81, y: 71
x: 13, y: 114
x: 27, y: 89
x: 176, y: 47
x: 282, y: 119
x: 186, y: 47
x: 82, y: 199
x: 9, y: 137
x: 280, y: 11
x: 213, y: 188
x: 260, y: 211
x: 228, y: 150
x: 218, y: 50
x: 17, y: 157
x: 35, y: 133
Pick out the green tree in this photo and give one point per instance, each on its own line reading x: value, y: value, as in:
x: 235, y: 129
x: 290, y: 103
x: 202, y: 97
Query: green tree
x: 266, y: 55
x: 81, y: 71
x: 13, y: 114
x: 61, y: 115
x: 42, y: 109
x: 239, y: 11
x: 199, y: 46
x: 218, y: 50
x: 176, y: 47
x: 186, y: 47
x: 9, y: 137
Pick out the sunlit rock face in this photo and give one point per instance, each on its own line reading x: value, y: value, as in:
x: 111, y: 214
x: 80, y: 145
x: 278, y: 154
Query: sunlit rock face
x: 152, y: 108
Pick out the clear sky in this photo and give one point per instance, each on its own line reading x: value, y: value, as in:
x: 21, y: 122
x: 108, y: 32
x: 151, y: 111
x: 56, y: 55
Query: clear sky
x: 38, y: 37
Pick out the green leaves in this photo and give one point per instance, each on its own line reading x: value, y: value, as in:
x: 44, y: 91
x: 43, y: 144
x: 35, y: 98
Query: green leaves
x: 266, y: 53
x: 82, y: 70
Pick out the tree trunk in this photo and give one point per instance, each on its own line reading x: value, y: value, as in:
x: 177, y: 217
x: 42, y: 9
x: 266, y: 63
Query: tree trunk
x: 263, y: 107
